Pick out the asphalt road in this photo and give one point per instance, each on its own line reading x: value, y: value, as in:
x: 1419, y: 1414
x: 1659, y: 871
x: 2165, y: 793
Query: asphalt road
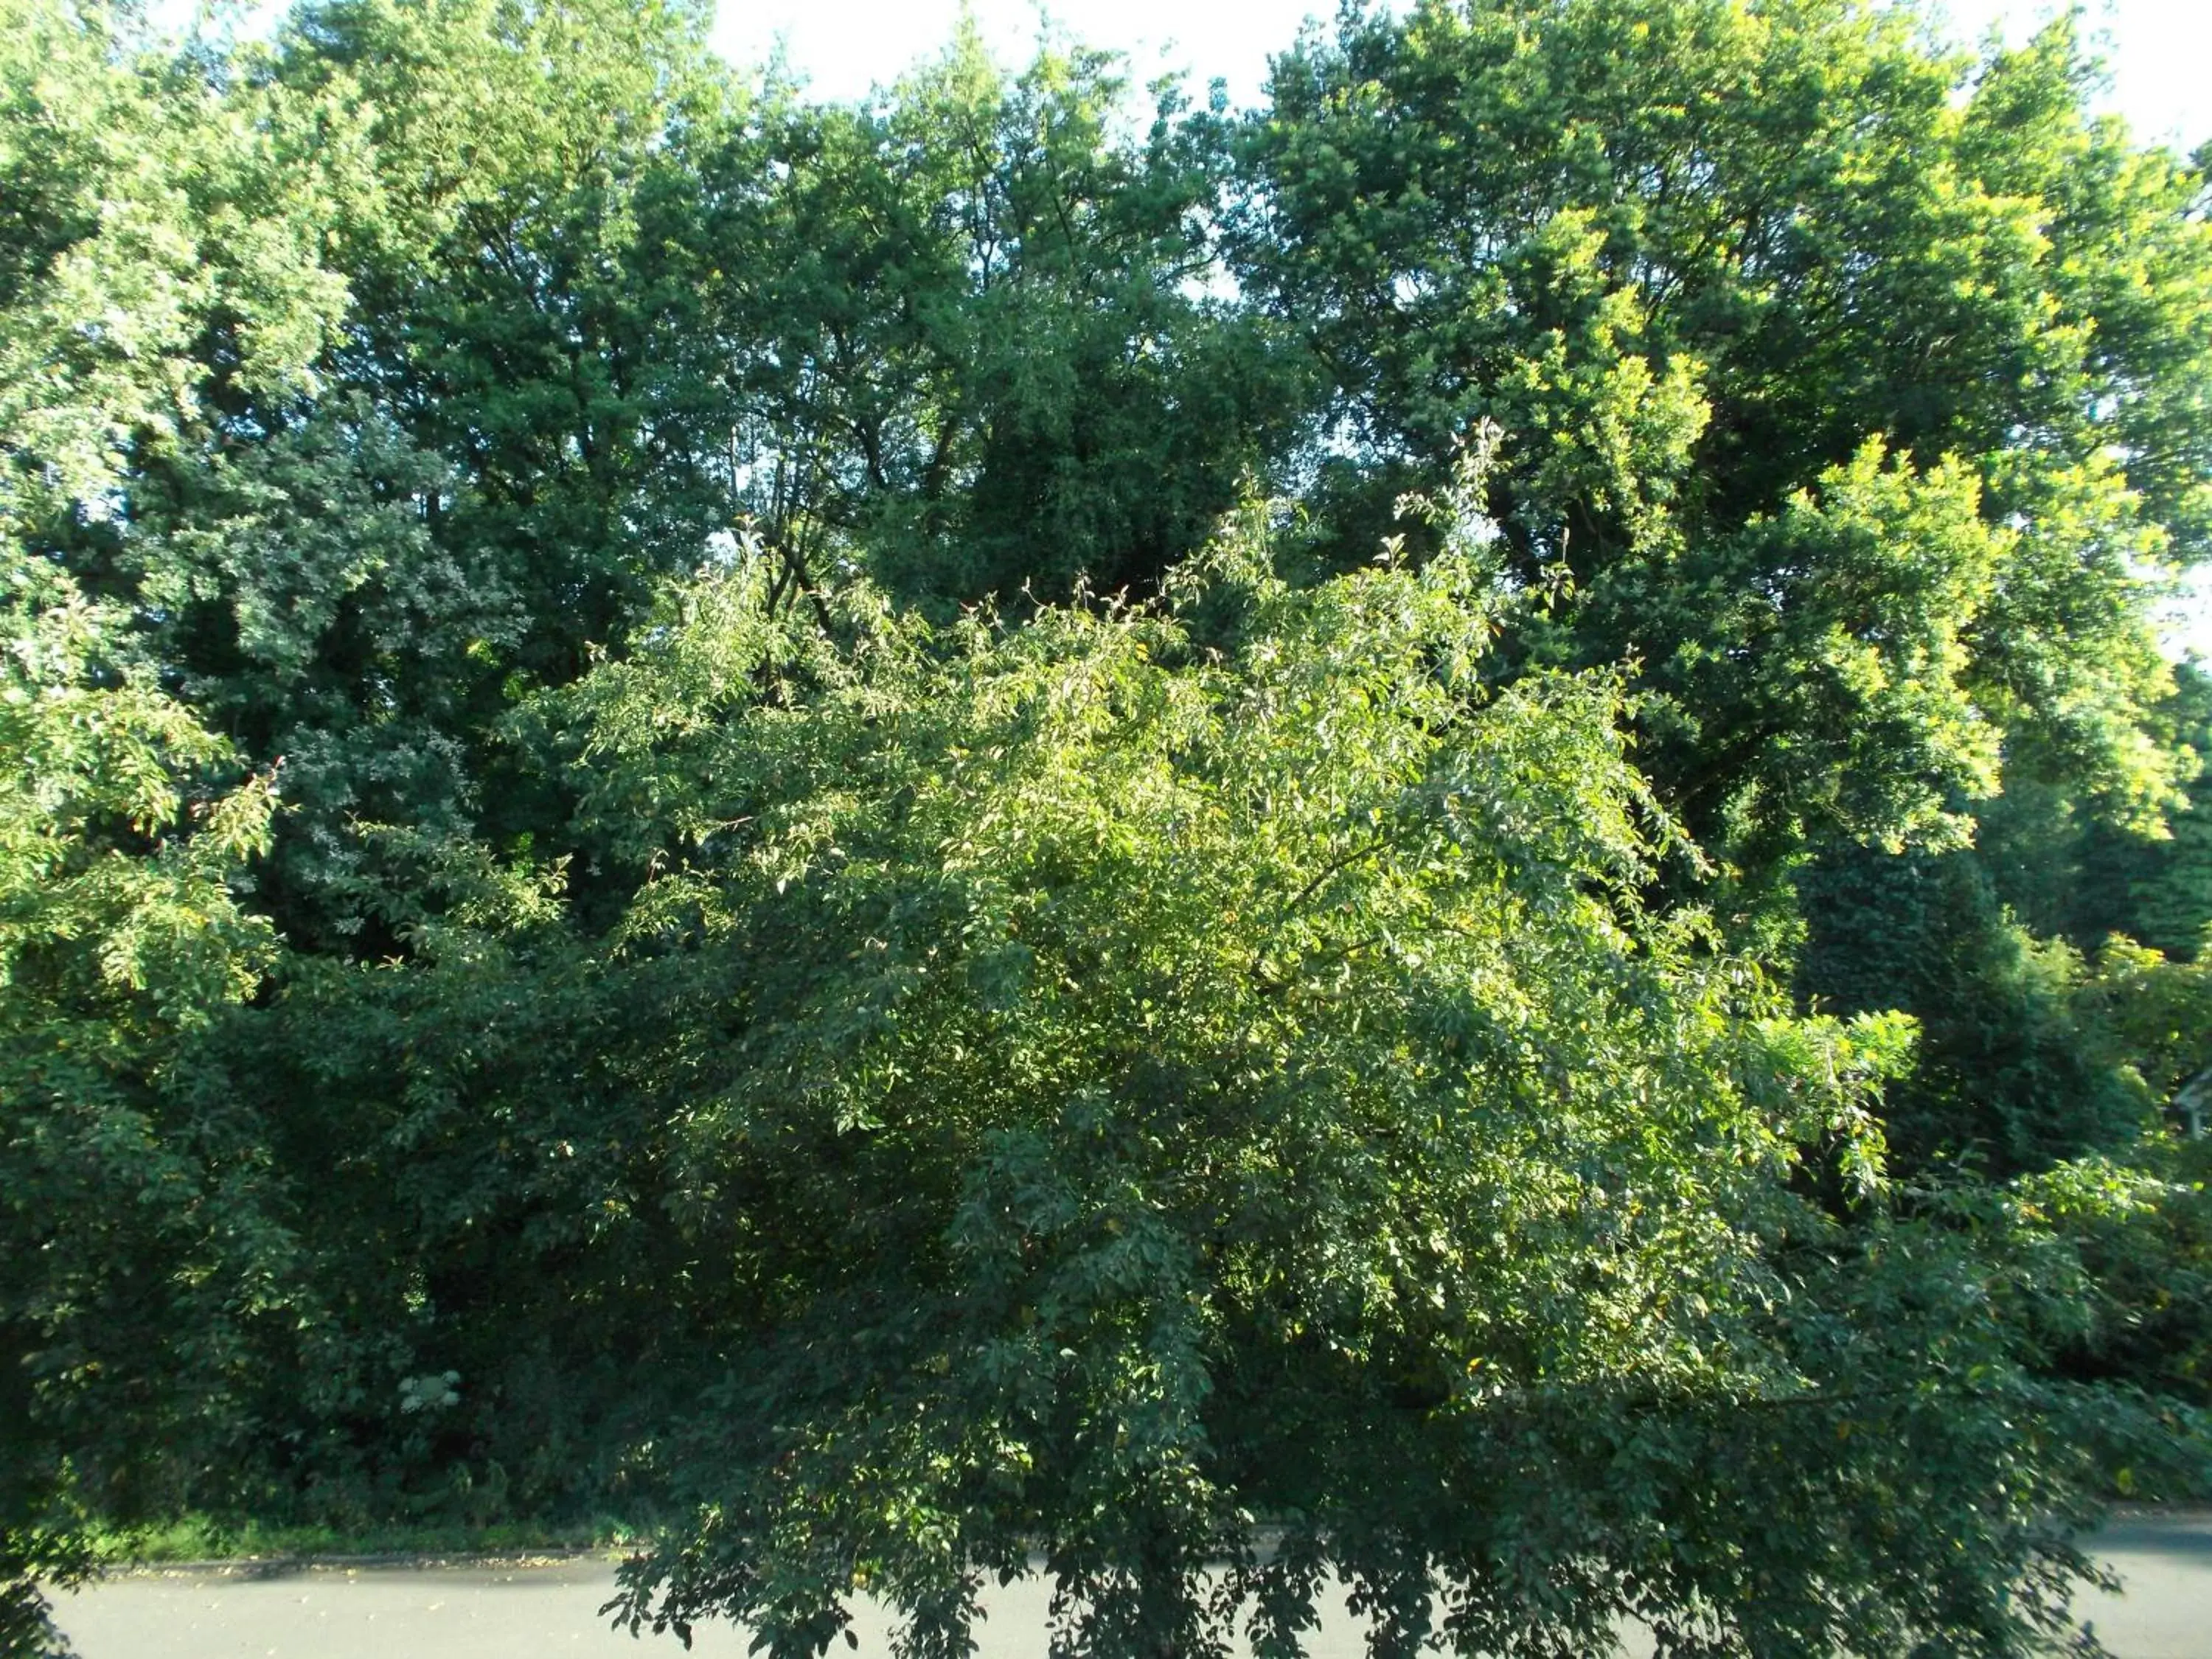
x: 548, y: 1609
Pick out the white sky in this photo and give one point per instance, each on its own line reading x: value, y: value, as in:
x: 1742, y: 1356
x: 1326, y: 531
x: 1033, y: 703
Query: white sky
x: 2159, y: 53
x: 2160, y: 50
x: 845, y: 47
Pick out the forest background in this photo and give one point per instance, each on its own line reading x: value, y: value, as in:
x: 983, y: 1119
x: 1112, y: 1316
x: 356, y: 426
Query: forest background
x: 1040, y: 815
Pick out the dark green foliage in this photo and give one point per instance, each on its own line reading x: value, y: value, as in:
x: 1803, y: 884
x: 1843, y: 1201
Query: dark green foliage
x: 2011, y: 1072
x: 670, y: 837
x: 2091, y: 878
x: 474, y: 1180
x: 137, y: 1247
x: 964, y: 334
x: 2152, y: 1264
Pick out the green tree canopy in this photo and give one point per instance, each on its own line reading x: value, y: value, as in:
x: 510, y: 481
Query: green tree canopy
x: 1153, y: 1087
x: 670, y: 836
x: 1856, y: 387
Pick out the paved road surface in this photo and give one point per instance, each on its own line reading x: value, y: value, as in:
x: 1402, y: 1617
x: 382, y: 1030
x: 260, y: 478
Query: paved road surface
x: 2167, y: 1613
x: 549, y: 1610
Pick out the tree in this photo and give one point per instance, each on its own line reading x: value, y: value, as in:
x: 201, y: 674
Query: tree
x: 471, y: 492
x: 964, y: 334
x: 1854, y: 394
x: 604, y: 307
x: 884, y: 1073
x: 2091, y: 878
x: 136, y: 1245
x: 1137, y: 1086
x: 136, y: 1248
x: 1728, y: 276
x: 148, y: 230
x: 2013, y: 1071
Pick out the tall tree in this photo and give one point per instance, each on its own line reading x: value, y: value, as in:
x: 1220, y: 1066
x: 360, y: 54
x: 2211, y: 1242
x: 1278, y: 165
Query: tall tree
x: 1854, y: 393
x: 471, y: 496
x: 972, y: 334
x: 605, y: 309
x: 139, y: 1247
x: 1825, y: 382
x: 849, y: 972
x: 136, y: 1244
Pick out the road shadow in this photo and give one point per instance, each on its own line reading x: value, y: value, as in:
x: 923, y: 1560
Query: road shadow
x: 2185, y: 1537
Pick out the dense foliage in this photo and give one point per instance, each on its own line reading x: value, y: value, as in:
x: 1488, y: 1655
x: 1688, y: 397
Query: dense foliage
x: 1430, y: 840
